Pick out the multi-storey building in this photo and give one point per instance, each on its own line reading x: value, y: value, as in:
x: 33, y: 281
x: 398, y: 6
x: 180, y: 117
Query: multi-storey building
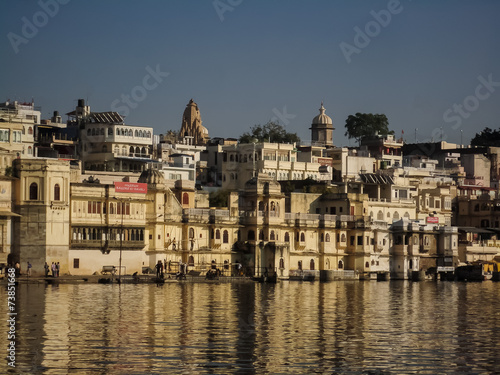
x: 107, y: 143
x: 279, y: 161
x: 17, y: 129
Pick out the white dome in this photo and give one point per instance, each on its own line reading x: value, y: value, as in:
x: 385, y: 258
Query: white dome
x: 322, y: 119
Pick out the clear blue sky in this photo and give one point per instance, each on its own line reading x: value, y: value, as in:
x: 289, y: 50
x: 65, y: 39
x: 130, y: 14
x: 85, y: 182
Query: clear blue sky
x: 249, y: 60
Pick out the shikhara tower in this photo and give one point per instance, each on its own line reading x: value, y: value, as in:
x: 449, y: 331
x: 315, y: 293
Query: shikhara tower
x: 192, y: 128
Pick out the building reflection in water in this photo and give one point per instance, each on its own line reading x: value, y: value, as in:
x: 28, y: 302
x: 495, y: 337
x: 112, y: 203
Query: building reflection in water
x: 290, y: 327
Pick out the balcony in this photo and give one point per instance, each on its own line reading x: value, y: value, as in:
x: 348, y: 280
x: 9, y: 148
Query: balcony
x: 111, y: 244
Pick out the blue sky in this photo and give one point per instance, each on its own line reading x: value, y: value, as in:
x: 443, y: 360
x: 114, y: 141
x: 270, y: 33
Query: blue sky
x: 247, y: 62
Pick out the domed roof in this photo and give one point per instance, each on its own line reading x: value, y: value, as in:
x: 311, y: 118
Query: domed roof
x: 151, y: 176
x: 322, y: 119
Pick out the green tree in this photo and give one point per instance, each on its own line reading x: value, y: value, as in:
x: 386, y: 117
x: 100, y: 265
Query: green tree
x: 270, y: 132
x: 366, y: 125
x: 218, y: 198
x: 486, y: 137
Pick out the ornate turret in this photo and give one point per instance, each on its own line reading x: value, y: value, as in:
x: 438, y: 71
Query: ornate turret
x: 322, y: 129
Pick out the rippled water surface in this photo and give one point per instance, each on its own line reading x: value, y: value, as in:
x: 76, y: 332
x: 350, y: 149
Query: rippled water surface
x: 291, y: 327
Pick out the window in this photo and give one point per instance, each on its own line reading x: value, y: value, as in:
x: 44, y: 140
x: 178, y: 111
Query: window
x: 300, y: 265
x: 185, y: 198
x: 110, y: 131
x: 33, y: 192
x: 76, y: 263
x: 343, y: 238
x: 217, y: 234
x: 57, y: 192
x: 341, y: 264
x: 360, y: 240
x: 302, y: 237
x: 287, y: 237
x: 311, y: 264
x: 251, y: 235
x: 272, y: 236
x: 327, y: 237
x: 225, y: 237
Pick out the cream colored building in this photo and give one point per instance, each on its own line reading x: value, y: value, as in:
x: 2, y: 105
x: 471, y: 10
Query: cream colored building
x: 108, y: 144
x: 17, y: 129
x: 279, y: 161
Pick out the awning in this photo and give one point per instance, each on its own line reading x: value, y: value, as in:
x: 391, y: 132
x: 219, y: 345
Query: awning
x: 474, y: 230
x: 8, y: 213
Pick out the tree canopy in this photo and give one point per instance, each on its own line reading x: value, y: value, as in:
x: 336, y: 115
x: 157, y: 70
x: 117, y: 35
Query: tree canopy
x: 270, y: 132
x: 366, y: 125
x: 486, y: 137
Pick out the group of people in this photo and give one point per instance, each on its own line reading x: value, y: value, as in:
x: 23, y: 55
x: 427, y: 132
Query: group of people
x: 54, y: 268
x: 165, y: 266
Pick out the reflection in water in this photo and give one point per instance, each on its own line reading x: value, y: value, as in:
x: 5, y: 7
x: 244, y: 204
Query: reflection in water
x: 291, y: 327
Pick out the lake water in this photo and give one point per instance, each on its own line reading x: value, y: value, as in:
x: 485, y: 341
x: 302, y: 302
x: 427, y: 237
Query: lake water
x: 343, y: 327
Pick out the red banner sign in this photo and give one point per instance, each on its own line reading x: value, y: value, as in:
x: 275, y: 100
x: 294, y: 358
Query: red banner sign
x: 131, y: 187
x: 325, y: 161
x: 432, y: 220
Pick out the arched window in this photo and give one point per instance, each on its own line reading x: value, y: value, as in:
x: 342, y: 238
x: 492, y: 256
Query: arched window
x: 130, y: 133
x: 136, y: 133
x: 30, y: 130
x: 282, y: 263
x: 380, y: 215
x: 311, y: 264
x: 225, y: 237
x: 30, y: 150
x: 217, y: 234
x: 287, y: 237
x: 33, y: 192
x: 407, y: 215
x: 117, y: 150
x: 388, y: 214
x: 341, y: 264
x: 343, y: 238
x: 185, y: 198
x: 143, y: 151
x: 396, y: 215
x: 110, y: 131
x: 191, y: 233
x: 57, y: 192
x: 137, y: 150
x: 327, y: 237
x: 117, y: 131
x: 272, y: 236
x: 251, y: 235
x: 261, y: 235
x: 367, y: 265
x: 93, y: 131
x: 302, y: 237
